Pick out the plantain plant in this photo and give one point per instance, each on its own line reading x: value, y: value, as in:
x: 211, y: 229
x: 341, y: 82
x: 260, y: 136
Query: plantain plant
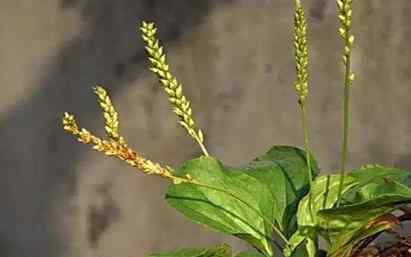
x: 280, y: 191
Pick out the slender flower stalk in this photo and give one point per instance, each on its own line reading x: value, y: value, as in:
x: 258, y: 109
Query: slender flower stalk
x: 345, y: 17
x: 172, y: 87
x: 301, y: 83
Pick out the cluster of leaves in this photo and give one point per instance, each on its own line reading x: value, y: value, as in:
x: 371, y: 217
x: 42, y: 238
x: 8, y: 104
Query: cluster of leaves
x: 279, y: 192
x: 276, y: 185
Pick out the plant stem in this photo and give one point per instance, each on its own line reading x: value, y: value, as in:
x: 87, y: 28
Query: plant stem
x: 346, y: 119
x: 345, y: 17
x: 304, y: 119
x: 202, y: 146
x: 301, y: 83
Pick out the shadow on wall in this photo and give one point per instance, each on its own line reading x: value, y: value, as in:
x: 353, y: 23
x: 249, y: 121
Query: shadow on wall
x: 37, y: 158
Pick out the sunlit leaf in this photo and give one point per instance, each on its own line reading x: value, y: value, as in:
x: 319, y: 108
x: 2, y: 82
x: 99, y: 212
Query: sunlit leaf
x: 284, y: 170
x: 240, y: 206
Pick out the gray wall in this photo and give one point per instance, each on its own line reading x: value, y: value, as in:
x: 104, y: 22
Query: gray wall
x: 234, y: 57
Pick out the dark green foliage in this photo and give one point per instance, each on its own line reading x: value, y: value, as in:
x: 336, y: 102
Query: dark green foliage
x: 269, y: 188
x: 368, y: 193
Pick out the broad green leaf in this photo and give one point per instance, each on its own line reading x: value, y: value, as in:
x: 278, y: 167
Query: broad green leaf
x: 249, y: 253
x: 295, y: 245
x: 359, y: 187
x: 368, y: 193
x: 300, y: 251
x: 373, y: 200
x: 371, y: 176
x: 302, y: 245
x: 344, y: 242
x: 232, y: 201
x: 284, y: 170
x: 371, y: 171
x: 349, y: 222
x: 377, y: 191
x: 311, y: 245
x: 218, y: 251
x: 280, y: 181
x: 324, y: 196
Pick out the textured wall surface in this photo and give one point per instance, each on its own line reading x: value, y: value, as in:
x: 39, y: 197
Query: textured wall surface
x: 234, y: 57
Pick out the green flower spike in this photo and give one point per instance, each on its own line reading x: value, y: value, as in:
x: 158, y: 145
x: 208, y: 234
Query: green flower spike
x: 301, y: 83
x: 109, y: 113
x: 172, y: 87
x: 345, y: 17
x: 300, y: 51
x: 116, y: 145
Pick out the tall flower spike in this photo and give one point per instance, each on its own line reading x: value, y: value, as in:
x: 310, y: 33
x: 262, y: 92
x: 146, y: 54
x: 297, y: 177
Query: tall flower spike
x: 345, y: 16
x: 300, y: 51
x: 301, y: 83
x: 172, y: 87
x: 109, y: 113
x: 116, y: 146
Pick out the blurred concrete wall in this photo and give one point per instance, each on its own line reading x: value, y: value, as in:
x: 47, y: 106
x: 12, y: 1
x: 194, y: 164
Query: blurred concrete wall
x: 234, y: 57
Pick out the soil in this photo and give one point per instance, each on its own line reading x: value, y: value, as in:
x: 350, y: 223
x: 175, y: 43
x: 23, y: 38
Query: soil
x: 399, y: 249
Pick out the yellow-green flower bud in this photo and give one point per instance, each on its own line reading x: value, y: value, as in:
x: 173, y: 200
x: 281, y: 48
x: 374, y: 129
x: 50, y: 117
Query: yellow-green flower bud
x: 172, y: 87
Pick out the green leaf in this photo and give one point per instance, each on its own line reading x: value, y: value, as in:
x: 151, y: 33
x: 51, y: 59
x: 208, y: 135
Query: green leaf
x: 249, y: 253
x: 284, y: 170
x: 368, y: 193
x: 359, y: 187
x: 378, y: 190
x: 344, y: 242
x: 272, y: 185
x: 302, y: 245
x: 218, y: 251
x: 295, y: 247
x: 311, y: 245
x: 300, y: 251
x: 325, y: 194
x: 370, y: 176
x: 232, y: 202
x: 376, y: 199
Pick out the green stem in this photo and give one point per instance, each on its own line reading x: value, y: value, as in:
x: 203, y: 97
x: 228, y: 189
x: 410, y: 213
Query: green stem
x: 307, y: 151
x: 202, y: 146
x: 346, y: 119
